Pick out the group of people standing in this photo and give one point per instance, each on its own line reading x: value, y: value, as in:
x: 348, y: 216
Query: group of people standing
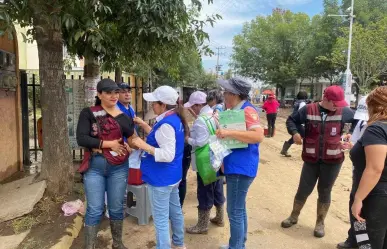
x: 107, y: 131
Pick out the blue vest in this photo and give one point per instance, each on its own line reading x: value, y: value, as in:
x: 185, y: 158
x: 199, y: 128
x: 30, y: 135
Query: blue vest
x: 130, y: 112
x: 243, y: 161
x: 161, y: 174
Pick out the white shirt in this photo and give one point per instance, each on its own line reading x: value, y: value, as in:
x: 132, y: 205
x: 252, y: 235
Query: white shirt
x: 358, y: 131
x: 199, y: 133
x: 166, y: 139
x: 302, y: 104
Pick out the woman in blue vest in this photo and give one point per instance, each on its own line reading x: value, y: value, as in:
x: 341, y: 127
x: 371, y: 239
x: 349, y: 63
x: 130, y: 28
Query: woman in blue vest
x: 240, y: 173
x: 161, y: 164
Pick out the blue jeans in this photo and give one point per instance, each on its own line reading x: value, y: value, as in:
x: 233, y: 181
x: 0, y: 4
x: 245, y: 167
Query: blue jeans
x: 165, y: 204
x: 100, y: 177
x: 237, y: 187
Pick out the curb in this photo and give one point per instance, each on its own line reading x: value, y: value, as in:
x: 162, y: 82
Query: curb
x: 72, y: 233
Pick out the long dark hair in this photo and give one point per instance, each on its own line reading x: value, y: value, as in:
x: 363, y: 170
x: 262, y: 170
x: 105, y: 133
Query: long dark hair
x: 97, y: 101
x: 302, y: 95
x: 179, y: 110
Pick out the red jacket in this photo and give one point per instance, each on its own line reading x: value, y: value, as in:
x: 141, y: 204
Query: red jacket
x: 271, y: 106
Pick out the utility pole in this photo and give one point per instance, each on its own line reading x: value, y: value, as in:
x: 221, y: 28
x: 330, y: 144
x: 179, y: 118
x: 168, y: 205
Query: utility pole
x: 348, y: 74
x: 217, y: 68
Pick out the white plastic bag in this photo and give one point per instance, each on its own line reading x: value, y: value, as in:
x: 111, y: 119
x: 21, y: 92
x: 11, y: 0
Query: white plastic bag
x: 218, y: 151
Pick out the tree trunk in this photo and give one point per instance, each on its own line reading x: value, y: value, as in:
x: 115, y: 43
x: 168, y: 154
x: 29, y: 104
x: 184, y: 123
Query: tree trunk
x: 118, y: 75
x: 283, y: 89
x: 57, y: 166
x: 277, y: 86
x: 91, y: 76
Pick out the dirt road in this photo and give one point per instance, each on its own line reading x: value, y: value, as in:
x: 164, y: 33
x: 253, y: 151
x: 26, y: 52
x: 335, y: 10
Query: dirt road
x: 269, y: 202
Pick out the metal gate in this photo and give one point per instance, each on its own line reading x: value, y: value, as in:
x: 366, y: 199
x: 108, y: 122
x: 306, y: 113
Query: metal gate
x: 31, y: 112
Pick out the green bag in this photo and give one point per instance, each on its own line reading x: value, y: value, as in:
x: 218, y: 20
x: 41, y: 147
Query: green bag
x: 203, y: 160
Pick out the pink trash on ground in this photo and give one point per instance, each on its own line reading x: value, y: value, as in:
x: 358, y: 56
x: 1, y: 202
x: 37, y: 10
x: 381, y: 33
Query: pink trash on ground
x: 73, y: 207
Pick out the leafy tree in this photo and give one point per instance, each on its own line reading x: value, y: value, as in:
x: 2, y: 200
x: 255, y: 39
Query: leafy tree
x: 98, y: 31
x: 269, y: 48
x: 369, y: 52
x: 367, y: 11
x: 122, y: 33
x: 45, y: 18
x: 189, y: 72
x: 228, y: 74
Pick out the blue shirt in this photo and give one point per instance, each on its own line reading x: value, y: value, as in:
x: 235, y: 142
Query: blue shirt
x: 130, y: 112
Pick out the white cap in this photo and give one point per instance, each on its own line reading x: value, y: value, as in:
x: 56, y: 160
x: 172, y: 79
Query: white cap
x: 197, y: 97
x: 165, y: 94
x: 362, y: 110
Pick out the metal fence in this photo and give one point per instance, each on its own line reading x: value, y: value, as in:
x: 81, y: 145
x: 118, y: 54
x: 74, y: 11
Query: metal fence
x: 31, y: 112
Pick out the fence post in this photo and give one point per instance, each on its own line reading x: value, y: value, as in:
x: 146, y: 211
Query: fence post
x: 35, y: 120
x: 25, y: 121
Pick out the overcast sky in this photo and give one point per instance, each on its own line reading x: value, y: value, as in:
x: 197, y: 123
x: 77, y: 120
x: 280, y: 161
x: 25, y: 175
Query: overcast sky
x: 237, y: 12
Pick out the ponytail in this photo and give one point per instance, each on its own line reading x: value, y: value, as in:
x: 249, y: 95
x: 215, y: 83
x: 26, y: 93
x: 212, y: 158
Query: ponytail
x: 179, y: 110
x: 97, y: 101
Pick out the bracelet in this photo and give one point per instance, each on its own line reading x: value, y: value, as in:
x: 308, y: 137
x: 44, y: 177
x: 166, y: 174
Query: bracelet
x: 100, y: 144
x: 149, y: 150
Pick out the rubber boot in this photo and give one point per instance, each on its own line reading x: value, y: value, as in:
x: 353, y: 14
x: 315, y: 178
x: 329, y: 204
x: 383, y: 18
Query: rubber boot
x: 218, y: 220
x: 90, y: 236
x: 322, y: 210
x: 285, y: 149
x: 203, y: 221
x: 347, y: 245
x: 268, y: 131
x: 116, y: 230
x: 293, y: 218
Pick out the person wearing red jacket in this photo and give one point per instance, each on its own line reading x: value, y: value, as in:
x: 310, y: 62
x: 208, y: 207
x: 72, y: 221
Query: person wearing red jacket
x: 271, y: 106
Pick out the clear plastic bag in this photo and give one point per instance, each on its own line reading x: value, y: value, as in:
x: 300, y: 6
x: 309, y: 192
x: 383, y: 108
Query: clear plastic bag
x: 218, y: 151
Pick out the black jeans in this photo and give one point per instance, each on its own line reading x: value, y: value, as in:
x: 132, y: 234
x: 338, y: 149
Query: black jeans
x: 210, y: 195
x: 375, y: 213
x: 326, y: 174
x: 271, y: 122
x: 186, y: 164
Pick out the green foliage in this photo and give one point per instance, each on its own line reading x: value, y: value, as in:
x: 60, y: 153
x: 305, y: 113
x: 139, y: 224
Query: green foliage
x: 270, y: 48
x: 369, y: 52
x: 188, y: 72
x: 135, y: 33
x: 367, y: 11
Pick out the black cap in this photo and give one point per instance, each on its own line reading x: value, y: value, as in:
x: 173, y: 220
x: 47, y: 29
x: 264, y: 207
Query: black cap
x: 124, y: 85
x: 107, y: 85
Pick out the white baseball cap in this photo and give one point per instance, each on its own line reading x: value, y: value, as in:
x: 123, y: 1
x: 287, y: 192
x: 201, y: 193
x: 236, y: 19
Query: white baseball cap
x: 165, y: 94
x: 362, y: 110
x: 197, y: 97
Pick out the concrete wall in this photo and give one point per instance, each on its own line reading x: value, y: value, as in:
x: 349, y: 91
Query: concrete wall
x: 10, y: 146
x: 10, y: 121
